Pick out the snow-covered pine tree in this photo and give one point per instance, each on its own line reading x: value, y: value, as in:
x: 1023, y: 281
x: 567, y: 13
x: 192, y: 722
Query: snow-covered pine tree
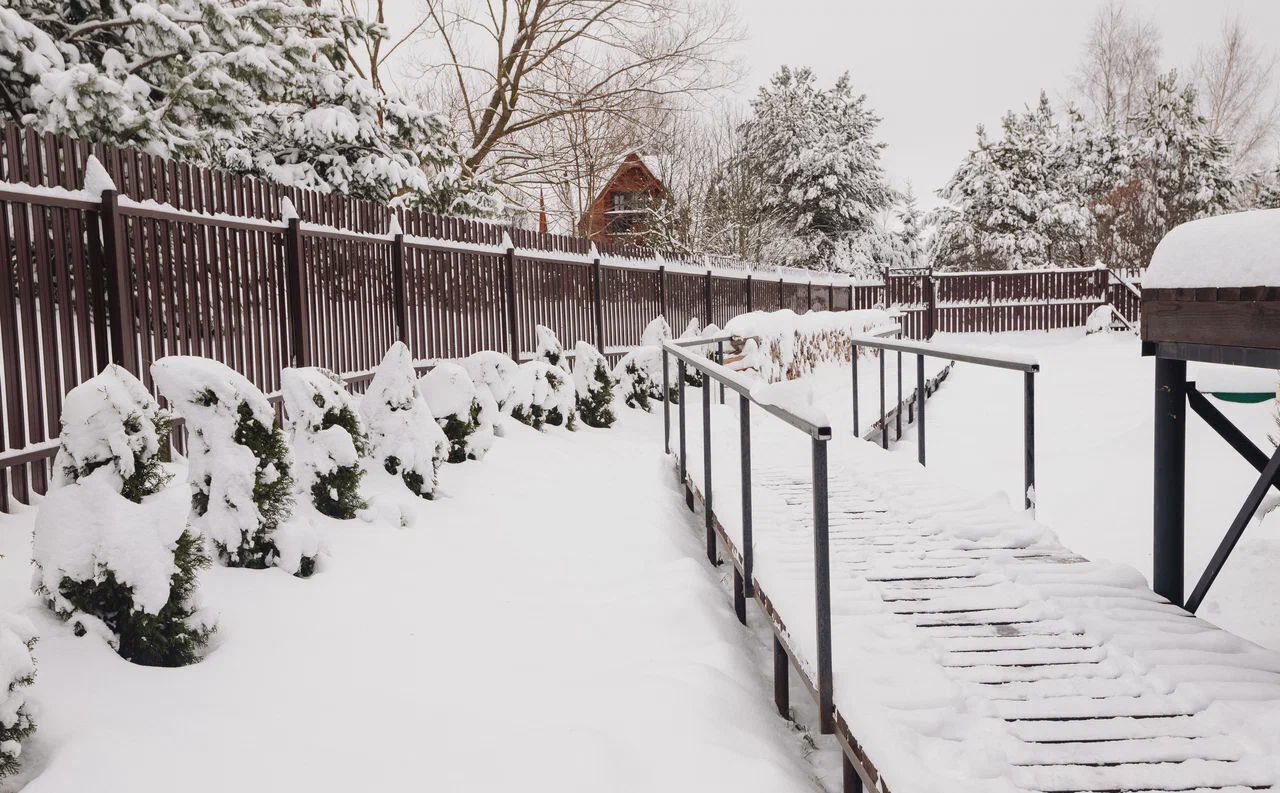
x: 240, y: 467
x: 549, y: 348
x: 594, y: 386
x: 462, y: 410
x: 403, y: 435
x: 111, y: 551
x: 328, y: 439
x: 911, y: 233
x: 1269, y: 192
x: 17, y: 672
x: 813, y: 157
x: 258, y: 87
x: 543, y: 395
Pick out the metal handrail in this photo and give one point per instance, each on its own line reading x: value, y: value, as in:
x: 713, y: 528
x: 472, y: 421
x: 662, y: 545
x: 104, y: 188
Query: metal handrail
x: 934, y: 350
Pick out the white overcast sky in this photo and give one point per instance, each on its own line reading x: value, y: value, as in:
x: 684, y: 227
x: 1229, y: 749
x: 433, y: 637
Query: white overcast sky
x: 934, y: 69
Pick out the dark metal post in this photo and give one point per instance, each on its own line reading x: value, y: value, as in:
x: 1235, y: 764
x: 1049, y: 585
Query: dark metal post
x: 401, y: 307
x: 720, y: 360
x: 852, y: 782
x: 855, y: 392
x: 706, y: 471
x: 513, y: 331
x: 296, y: 293
x: 1029, y: 441
x: 706, y: 297
x: 897, y: 419
x: 1169, y: 478
x: 748, y: 540
x: 688, y: 497
x: 666, y: 403
x: 921, y: 395
x: 597, y: 284
x: 822, y: 587
x: 662, y: 290
x: 781, y: 683
x: 749, y: 299
x: 884, y: 425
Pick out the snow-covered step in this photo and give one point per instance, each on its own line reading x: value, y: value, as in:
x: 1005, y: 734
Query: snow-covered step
x: 1038, y: 656
x: 1186, y: 775
x: 1135, y: 750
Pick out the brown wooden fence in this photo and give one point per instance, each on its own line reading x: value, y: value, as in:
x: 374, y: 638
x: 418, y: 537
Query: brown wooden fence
x: 193, y: 261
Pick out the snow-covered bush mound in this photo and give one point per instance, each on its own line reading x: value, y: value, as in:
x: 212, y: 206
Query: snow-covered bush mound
x: 111, y: 548
x: 403, y: 435
x: 240, y: 467
x: 465, y: 413
x: 494, y: 372
x: 656, y: 332
x: 1099, y: 320
x: 593, y: 385
x: 328, y: 439
x: 639, y: 372
x: 17, y: 671
x: 549, y: 348
x: 692, y: 376
x: 790, y: 345
x: 543, y: 395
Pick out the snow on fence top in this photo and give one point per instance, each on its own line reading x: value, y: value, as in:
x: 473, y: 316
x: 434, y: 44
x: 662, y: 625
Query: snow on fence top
x: 1236, y: 250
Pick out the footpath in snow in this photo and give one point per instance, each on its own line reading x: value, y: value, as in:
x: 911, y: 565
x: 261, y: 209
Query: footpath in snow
x: 547, y: 624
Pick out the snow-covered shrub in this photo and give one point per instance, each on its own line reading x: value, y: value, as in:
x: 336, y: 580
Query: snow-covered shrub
x: 17, y: 671
x: 549, y: 348
x: 328, y: 439
x: 492, y: 371
x: 111, y: 549
x: 403, y: 435
x: 1099, y: 320
x: 639, y: 377
x: 543, y: 394
x: 790, y: 345
x: 240, y: 467
x: 464, y: 412
x: 594, y: 386
x: 656, y: 332
x: 692, y: 376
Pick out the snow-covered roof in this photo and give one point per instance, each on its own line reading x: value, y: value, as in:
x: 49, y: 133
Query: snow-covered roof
x: 1236, y: 250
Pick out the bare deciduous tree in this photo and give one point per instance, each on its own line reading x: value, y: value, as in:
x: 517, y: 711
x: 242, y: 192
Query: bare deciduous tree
x: 1121, y: 62
x: 1238, y: 94
x: 506, y: 68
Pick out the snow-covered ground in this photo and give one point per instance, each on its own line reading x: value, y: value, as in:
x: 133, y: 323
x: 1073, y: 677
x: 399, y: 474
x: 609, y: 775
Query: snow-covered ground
x: 1094, y: 458
x: 547, y: 624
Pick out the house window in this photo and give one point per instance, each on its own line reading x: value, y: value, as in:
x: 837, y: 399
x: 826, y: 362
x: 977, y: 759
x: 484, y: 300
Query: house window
x: 629, y: 202
x: 627, y: 211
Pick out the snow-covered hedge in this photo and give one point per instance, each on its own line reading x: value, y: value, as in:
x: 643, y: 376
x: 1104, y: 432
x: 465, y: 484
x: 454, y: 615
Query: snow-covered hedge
x: 403, y: 435
x: 791, y: 345
x: 494, y: 372
x: 543, y: 394
x: 465, y: 413
x: 594, y: 386
x: 240, y: 467
x: 328, y: 439
x: 17, y: 671
x: 111, y: 549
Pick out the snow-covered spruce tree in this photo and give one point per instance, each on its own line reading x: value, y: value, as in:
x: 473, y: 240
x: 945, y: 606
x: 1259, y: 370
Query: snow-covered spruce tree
x: 692, y: 376
x: 328, y: 439
x: 911, y: 234
x: 492, y: 371
x: 464, y: 412
x: 811, y: 155
x: 594, y: 386
x: 17, y: 671
x: 549, y: 348
x: 240, y: 467
x: 111, y: 551
x: 543, y: 395
x: 403, y: 435
x: 639, y: 372
x: 260, y: 87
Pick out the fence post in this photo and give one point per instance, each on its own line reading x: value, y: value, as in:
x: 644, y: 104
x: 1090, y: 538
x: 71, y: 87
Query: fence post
x: 119, y: 293
x: 780, y: 305
x: 707, y: 299
x: 931, y: 302
x: 662, y: 292
x: 809, y: 293
x: 749, y: 308
x: 298, y: 303
x: 397, y: 284
x: 509, y: 273
x: 597, y: 283
x: 831, y: 296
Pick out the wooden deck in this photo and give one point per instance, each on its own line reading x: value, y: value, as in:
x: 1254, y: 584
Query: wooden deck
x: 1069, y: 675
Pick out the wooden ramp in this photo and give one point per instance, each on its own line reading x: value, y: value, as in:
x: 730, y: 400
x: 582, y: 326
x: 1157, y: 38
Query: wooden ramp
x: 971, y: 651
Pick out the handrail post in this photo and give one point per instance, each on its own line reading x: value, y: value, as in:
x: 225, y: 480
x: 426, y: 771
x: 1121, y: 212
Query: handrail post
x: 855, y: 391
x: 822, y: 587
x: 1169, y: 478
x: 666, y: 403
x: 688, y: 497
x: 921, y: 396
x: 708, y: 519
x: 884, y: 425
x: 1029, y: 441
x: 720, y: 360
x: 897, y: 419
x: 745, y: 586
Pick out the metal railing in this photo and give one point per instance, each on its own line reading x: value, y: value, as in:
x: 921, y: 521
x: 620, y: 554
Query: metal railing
x: 743, y: 574
x: 924, y: 350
